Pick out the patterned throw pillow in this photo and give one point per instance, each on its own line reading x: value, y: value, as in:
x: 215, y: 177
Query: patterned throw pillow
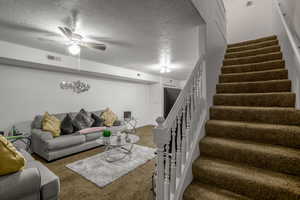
x: 10, y: 159
x: 67, y: 125
x: 82, y: 120
x: 51, y: 124
x: 98, y: 122
x: 109, y: 117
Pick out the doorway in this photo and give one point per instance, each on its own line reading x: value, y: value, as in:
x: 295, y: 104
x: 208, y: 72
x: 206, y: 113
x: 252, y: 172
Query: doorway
x: 170, y: 96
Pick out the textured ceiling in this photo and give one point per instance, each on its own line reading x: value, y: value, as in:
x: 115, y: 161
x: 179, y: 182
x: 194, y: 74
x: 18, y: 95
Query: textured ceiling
x: 140, y: 34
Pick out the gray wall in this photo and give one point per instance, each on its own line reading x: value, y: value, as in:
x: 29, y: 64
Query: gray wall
x: 27, y: 92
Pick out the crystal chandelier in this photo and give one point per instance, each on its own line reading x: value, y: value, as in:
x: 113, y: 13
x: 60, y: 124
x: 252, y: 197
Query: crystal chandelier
x: 77, y: 86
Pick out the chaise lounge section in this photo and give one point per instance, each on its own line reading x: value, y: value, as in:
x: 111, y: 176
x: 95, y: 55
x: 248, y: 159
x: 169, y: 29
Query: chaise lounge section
x: 35, y: 182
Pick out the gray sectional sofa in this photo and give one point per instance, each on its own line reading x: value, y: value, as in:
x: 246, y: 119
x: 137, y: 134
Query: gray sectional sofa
x: 35, y: 182
x: 50, y: 148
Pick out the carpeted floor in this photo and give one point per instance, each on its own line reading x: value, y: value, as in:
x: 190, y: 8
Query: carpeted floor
x: 134, y: 186
x: 251, y: 148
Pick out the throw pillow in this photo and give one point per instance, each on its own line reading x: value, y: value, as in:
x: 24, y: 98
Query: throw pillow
x: 109, y: 117
x: 82, y: 120
x: 51, y: 124
x: 98, y: 122
x: 67, y: 125
x: 37, y: 122
x: 10, y: 159
x: 117, y: 123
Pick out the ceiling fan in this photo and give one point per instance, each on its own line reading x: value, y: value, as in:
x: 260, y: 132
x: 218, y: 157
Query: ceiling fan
x: 76, y: 41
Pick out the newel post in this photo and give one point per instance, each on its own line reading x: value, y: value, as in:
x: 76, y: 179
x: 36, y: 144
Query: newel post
x: 161, y: 138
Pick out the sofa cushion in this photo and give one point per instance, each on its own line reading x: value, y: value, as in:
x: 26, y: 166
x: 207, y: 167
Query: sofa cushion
x: 26, y: 155
x: 49, y: 181
x: 98, y: 122
x: 67, y: 125
x: 10, y: 159
x: 82, y: 120
x: 109, y: 117
x: 51, y: 124
x: 92, y: 136
x: 64, y: 141
x: 91, y: 130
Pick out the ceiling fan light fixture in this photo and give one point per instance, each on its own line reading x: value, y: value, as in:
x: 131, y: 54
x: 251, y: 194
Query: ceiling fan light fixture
x: 74, y: 49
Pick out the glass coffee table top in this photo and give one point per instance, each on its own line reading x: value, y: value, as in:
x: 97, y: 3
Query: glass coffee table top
x: 118, y: 147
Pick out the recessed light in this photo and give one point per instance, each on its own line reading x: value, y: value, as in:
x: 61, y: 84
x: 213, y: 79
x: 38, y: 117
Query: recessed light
x: 165, y: 69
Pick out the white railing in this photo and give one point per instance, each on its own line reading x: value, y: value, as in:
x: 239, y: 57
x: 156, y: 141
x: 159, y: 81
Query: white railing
x: 176, y: 137
x: 291, y: 34
x: 289, y: 45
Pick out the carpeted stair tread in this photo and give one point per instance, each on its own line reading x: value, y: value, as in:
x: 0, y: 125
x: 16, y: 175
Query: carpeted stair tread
x: 276, y: 99
x: 275, y: 74
x: 285, y: 135
x: 255, y: 87
x: 262, y: 66
x: 247, y: 42
x: 199, y: 191
x: 252, y: 46
x: 246, y: 180
x: 272, y: 115
x: 252, y: 52
x: 266, y: 156
x: 253, y: 59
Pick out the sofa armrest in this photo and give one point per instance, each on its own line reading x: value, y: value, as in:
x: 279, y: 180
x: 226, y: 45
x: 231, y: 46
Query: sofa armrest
x: 40, y: 134
x: 21, y: 184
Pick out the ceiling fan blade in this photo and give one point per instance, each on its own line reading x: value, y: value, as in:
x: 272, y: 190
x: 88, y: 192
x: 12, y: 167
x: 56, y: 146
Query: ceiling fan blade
x: 94, y: 45
x: 52, y: 41
x: 111, y: 41
x: 66, y: 32
x: 25, y: 28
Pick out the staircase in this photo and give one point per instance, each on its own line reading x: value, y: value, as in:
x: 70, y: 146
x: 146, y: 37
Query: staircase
x: 251, y: 148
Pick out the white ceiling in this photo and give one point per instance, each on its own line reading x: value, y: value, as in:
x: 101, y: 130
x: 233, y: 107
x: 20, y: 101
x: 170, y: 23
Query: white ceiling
x: 140, y: 34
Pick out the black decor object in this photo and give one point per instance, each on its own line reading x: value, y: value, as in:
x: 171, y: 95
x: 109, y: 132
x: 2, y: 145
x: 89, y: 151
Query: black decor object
x: 127, y: 115
x: 2, y: 133
x: 67, y: 125
x: 98, y: 122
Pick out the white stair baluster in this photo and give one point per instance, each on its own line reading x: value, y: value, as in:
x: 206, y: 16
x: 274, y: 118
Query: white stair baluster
x: 173, y: 160
x: 167, y: 173
x: 178, y: 153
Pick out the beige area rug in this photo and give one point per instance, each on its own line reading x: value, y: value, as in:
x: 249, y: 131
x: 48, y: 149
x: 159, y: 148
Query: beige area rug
x: 97, y: 170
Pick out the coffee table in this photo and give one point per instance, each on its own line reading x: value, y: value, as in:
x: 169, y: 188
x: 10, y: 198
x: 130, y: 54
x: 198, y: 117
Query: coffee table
x: 119, y: 146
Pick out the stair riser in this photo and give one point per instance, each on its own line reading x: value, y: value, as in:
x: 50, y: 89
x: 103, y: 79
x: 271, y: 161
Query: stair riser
x: 253, y: 46
x: 259, y: 100
x: 272, y: 116
x: 261, y: 76
x: 241, y: 186
x: 252, y: 41
x: 197, y: 191
x: 283, y: 163
x: 254, y: 59
x: 279, y: 86
x: 277, y: 135
x: 253, y: 52
x: 253, y: 67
